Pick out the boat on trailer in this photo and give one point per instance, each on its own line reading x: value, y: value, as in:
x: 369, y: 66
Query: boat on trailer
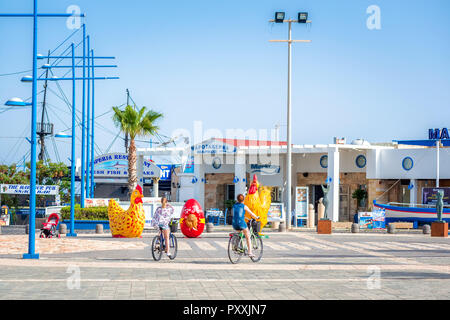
x: 417, y: 213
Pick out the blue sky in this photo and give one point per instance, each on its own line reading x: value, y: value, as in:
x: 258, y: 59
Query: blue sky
x: 212, y: 61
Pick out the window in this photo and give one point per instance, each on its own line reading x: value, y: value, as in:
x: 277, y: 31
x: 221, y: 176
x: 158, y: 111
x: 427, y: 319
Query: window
x: 230, y: 192
x: 361, y: 161
x: 407, y: 163
x: 324, y: 161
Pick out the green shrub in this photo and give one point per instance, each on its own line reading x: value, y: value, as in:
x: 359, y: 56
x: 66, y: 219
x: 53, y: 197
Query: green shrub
x: 92, y: 213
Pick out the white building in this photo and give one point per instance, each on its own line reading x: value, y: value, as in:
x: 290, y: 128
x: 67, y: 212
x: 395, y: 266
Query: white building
x: 220, y: 169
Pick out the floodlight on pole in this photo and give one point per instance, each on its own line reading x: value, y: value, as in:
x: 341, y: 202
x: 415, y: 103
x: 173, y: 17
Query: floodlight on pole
x: 302, y: 17
x: 288, y: 190
x: 279, y: 17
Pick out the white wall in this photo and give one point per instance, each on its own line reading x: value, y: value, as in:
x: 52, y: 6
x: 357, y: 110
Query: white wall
x: 310, y: 162
x: 389, y: 164
x: 186, y: 190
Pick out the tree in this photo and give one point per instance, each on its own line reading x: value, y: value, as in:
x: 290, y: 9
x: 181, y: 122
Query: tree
x: 135, y: 122
x: 10, y: 175
x: 47, y: 173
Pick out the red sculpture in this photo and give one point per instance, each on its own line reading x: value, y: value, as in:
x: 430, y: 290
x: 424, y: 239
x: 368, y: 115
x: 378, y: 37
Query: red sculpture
x: 192, y: 219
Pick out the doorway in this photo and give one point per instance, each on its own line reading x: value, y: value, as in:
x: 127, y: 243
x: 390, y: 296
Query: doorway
x: 316, y: 194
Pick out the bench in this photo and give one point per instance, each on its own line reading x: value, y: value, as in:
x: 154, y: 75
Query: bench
x: 403, y: 225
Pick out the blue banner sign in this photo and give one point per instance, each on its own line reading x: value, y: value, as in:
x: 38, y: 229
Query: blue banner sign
x: 116, y: 165
x: 438, y: 134
x: 166, y: 172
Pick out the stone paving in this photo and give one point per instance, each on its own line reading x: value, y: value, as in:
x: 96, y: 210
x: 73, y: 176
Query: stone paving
x: 295, y: 265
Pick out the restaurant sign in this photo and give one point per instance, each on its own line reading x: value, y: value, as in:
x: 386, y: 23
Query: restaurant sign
x: 25, y: 189
x: 116, y: 165
x: 214, y: 147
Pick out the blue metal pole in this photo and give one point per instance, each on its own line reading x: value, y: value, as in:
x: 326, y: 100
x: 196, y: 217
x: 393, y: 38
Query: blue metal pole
x: 88, y: 162
x: 72, y: 175
x: 83, y: 125
x: 92, y: 124
x: 32, y: 223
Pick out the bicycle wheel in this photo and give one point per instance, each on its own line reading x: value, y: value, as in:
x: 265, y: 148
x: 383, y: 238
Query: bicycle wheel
x: 257, y: 247
x: 156, y: 248
x: 235, y: 250
x: 173, y: 247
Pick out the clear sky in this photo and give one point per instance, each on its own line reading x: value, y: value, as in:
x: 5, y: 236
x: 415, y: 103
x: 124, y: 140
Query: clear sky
x: 212, y: 61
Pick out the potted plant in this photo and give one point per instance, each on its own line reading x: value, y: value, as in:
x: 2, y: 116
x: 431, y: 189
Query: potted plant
x: 229, y: 205
x: 360, y: 195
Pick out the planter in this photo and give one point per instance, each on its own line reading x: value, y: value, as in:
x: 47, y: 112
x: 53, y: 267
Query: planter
x: 439, y: 229
x: 87, y: 224
x: 324, y: 227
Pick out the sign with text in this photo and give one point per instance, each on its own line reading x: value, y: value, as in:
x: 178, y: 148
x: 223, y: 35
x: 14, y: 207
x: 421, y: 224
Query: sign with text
x: 214, y: 147
x: 166, y: 172
x: 429, y: 195
x: 372, y: 220
x: 116, y: 165
x: 25, y: 189
x: 264, y: 169
x: 301, y: 202
x: 276, y: 212
x: 436, y: 134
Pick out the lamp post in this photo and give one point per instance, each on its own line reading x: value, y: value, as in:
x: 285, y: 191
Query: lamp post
x: 72, y: 160
x: 32, y: 221
x: 280, y: 18
x: 91, y: 193
x: 90, y: 68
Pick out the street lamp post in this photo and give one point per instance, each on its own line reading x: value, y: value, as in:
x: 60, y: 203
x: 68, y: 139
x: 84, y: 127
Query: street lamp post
x: 90, y: 68
x: 72, y: 168
x: 279, y: 18
x: 32, y: 221
x: 83, y: 117
x: 72, y: 175
x: 88, y: 107
x: 92, y: 125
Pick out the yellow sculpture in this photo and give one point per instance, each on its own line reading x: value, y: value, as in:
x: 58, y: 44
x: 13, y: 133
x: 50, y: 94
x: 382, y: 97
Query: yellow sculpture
x: 258, y: 200
x: 129, y: 223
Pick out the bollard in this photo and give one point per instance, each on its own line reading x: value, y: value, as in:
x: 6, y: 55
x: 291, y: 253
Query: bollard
x: 282, y: 227
x: 99, y: 228
x: 311, y: 216
x: 209, y: 227
x: 355, y: 228
x: 391, y: 228
x: 426, y: 229
x: 62, y: 228
x: 275, y: 224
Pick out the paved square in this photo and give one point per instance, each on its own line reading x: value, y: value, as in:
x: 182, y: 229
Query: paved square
x: 295, y: 265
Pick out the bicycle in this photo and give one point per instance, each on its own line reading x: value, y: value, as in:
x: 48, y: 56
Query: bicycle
x: 159, y: 246
x: 237, y: 245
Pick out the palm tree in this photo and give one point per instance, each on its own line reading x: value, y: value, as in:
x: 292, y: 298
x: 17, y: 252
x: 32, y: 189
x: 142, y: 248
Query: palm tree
x: 135, y: 123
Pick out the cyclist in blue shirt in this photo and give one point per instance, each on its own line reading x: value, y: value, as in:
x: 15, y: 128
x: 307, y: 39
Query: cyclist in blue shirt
x: 239, y: 224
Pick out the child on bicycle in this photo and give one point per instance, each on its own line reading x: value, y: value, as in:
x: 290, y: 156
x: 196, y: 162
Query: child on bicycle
x: 161, y: 220
x: 239, y: 224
